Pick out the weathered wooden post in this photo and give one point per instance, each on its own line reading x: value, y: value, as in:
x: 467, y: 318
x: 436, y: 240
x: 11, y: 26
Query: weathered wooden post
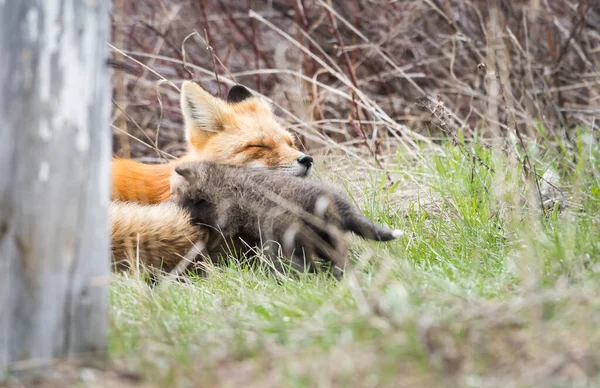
x: 54, y: 180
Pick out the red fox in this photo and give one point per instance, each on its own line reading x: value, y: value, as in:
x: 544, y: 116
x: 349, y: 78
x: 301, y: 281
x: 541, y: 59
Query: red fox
x: 239, y: 131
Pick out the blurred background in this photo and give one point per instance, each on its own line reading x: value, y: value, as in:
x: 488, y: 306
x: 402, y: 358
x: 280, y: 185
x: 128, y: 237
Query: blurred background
x: 359, y: 73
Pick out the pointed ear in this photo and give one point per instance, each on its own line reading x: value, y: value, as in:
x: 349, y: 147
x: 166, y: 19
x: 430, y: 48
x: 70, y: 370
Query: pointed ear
x: 180, y: 177
x: 238, y: 93
x: 203, y: 114
x: 185, y: 172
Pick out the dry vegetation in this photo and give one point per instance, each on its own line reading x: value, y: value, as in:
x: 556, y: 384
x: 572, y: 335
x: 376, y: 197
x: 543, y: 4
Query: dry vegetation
x: 461, y: 103
x: 352, y: 72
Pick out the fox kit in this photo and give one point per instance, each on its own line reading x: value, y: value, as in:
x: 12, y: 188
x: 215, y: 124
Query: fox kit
x: 299, y: 218
x: 240, y: 131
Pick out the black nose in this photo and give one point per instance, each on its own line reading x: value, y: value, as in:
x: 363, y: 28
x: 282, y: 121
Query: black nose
x: 305, y: 160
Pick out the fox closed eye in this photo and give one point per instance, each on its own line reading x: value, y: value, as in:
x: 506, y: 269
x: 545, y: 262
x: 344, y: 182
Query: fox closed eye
x: 258, y: 146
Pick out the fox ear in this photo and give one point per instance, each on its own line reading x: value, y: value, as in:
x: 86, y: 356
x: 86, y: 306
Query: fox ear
x: 203, y: 114
x: 238, y: 93
x: 180, y: 176
x: 185, y: 172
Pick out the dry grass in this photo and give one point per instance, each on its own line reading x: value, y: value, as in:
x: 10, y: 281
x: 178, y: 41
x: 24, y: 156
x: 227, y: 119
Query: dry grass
x: 351, y: 73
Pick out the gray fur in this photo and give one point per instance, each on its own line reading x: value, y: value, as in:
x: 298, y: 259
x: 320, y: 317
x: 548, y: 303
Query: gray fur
x: 301, y: 219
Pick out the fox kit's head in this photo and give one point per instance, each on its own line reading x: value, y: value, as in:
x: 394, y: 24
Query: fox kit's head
x: 239, y: 131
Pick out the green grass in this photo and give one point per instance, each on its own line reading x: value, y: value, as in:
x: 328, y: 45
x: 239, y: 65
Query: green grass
x: 482, y: 290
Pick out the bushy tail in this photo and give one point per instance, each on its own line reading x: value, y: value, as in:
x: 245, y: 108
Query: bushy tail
x: 138, y: 182
x: 364, y: 227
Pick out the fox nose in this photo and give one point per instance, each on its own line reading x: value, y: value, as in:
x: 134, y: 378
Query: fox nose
x: 305, y: 160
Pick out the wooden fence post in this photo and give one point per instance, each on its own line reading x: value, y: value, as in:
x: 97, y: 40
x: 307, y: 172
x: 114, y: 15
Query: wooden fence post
x: 55, y: 147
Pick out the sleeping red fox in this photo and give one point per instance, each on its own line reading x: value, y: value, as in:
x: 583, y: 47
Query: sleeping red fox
x: 239, y: 131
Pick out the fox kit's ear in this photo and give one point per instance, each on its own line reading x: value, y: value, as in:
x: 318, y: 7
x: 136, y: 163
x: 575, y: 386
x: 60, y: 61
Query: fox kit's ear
x: 181, y: 176
x: 238, y: 93
x: 203, y: 114
x: 184, y: 172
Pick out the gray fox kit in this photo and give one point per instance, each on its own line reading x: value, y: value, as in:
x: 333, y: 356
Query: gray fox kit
x: 296, y: 218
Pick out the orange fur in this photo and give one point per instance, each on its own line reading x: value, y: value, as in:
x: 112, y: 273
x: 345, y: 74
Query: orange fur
x: 241, y: 133
x: 158, y: 235
x: 139, y: 182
